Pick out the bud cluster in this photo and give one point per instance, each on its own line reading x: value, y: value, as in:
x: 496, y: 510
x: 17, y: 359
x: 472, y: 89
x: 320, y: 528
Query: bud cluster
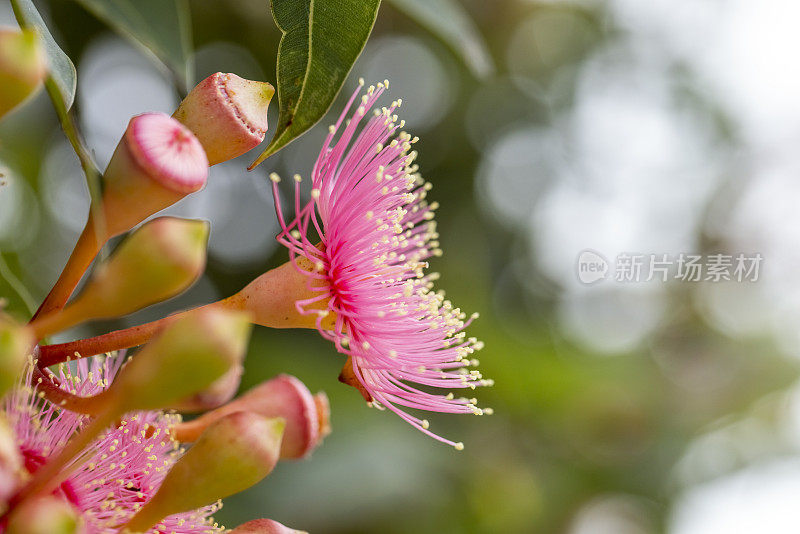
x: 111, y: 423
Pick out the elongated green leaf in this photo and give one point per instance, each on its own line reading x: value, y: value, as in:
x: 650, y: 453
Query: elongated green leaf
x: 161, y: 27
x: 60, y: 67
x: 448, y: 20
x: 321, y: 41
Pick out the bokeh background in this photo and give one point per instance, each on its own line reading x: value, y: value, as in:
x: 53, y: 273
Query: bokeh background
x: 622, y: 126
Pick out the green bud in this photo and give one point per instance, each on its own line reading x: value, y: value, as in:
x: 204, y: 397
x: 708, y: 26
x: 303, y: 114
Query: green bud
x: 45, y: 515
x: 158, y: 261
x: 22, y: 67
x: 233, y: 454
x: 193, y: 352
x: 217, y: 394
x: 16, y: 343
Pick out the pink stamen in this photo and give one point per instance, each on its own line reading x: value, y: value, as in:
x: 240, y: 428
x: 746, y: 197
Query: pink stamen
x: 368, y: 208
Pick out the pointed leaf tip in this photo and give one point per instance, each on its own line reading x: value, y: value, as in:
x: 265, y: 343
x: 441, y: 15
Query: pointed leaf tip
x: 317, y: 51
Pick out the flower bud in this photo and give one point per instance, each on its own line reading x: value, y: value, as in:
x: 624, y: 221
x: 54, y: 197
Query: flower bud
x: 158, y: 261
x: 157, y: 162
x: 284, y: 396
x: 45, y: 515
x: 190, y: 354
x: 16, y: 343
x: 217, y: 394
x: 265, y: 526
x: 234, y: 453
x: 228, y: 114
x: 22, y: 67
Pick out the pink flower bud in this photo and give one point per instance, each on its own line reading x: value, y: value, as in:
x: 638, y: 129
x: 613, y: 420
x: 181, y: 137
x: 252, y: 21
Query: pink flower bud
x: 16, y: 343
x: 284, y: 396
x: 45, y: 515
x: 265, y: 526
x: 157, y: 162
x: 234, y: 453
x: 191, y: 354
x: 158, y: 261
x: 228, y: 114
x: 22, y: 67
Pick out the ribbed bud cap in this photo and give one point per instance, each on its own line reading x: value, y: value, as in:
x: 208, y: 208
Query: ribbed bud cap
x: 23, y: 67
x: 190, y: 354
x: 228, y: 114
x: 45, y: 515
x: 307, y: 417
x: 157, y: 162
x: 168, y: 152
x: 265, y: 526
x: 233, y: 454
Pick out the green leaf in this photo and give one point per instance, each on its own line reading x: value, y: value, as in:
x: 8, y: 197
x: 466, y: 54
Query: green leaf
x: 449, y: 21
x: 160, y: 27
x: 60, y: 68
x: 321, y: 41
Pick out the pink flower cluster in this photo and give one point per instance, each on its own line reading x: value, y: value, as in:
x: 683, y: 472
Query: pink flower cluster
x: 124, y: 467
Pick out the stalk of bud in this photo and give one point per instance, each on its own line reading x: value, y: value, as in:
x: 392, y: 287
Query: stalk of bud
x: 228, y: 114
x: 233, y: 454
x: 265, y: 526
x: 284, y: 396
x: 45, y: 515
x: 158, y: 261
x: 23, y: 67
x: 157, y: 162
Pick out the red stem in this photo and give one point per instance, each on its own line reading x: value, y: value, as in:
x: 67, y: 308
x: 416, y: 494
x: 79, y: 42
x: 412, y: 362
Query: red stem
x: 116, y: 340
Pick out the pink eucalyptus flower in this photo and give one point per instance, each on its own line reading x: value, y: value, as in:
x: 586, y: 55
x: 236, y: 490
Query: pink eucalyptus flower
x: 125, y: 465
x: 377, y: 231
